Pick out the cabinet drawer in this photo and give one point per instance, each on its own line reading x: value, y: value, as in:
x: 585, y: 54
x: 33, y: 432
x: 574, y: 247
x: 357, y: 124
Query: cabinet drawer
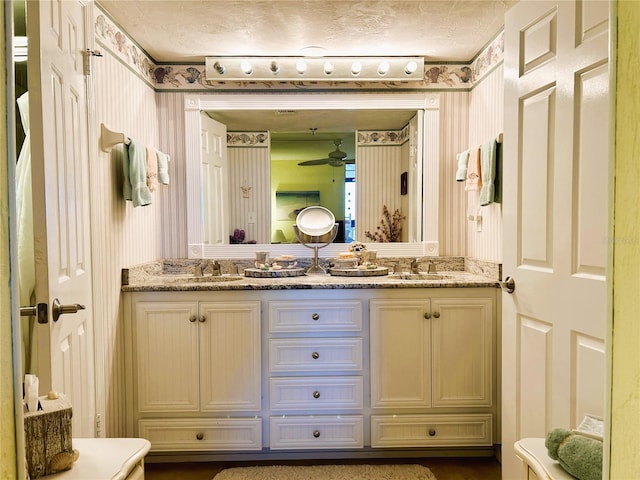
x: 305, y: 393
x: 315, y: 354
x: 430, y: 430
x: 195, y: 434
x: 345, y: 431
x: 329, y: 316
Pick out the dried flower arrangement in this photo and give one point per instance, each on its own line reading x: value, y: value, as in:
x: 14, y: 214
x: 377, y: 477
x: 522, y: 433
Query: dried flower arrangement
x: 390, y: 228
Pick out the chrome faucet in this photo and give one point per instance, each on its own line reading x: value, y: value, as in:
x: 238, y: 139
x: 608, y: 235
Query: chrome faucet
x: 197, y: 270
x: 201, y: 268
x: 415, y: 266
x: 215, y: 268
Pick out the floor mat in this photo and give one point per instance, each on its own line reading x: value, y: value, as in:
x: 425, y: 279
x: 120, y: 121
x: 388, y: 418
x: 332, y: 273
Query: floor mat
x: 328, y: 472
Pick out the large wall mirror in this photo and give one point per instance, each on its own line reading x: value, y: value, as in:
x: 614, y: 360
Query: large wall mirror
x: 293, y: 167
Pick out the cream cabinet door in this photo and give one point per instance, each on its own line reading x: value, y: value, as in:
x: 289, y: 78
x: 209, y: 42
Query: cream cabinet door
x: 166, y: 356
x: 230, y: 377
x: 400, y: 353
x: 462, y: 340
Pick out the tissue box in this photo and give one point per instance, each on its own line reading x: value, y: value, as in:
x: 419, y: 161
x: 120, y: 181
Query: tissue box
x: 48, y: 437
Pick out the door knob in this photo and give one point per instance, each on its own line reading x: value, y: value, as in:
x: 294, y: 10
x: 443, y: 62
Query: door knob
x: 39, y: 311
x: 58, y: 309
x: 509, y: 285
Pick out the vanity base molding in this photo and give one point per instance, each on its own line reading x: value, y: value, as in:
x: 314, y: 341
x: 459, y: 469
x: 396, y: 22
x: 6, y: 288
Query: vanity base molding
x: 268, y: 455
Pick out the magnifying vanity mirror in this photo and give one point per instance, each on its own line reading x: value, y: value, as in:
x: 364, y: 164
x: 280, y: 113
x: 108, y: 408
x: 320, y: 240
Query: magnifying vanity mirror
x: 351, y: 153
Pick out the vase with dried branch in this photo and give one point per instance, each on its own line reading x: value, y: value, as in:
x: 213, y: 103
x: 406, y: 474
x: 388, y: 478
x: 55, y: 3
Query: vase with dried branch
x: 390, y: 228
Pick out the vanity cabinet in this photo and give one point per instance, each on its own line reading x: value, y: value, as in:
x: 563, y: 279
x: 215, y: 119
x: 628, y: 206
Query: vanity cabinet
x: 197, y: 374
x: 431, y: 359
x: 279, y: 372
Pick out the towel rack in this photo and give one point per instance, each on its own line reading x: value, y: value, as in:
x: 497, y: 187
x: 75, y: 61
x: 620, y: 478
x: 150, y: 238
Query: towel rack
x: 110, y: 138
x: 499, y: 137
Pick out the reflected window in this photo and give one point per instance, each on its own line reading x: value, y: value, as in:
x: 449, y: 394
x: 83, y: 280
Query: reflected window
x: 349, y: 203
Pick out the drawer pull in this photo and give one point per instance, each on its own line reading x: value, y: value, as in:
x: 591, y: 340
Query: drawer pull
x: 200, y: 436
x: 436, y: 314
x: 315, y: 355
x: 316, y: 394
x: 316, y: 433
x: 315, y: 316
x: 432, y: 432
x: 193, y: 318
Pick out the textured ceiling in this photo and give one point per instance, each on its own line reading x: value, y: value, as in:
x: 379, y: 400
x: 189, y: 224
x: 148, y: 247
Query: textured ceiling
x: 189, y: 30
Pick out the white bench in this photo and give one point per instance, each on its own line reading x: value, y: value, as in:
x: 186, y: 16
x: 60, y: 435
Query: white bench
x: 107, y: 459
x: 537, y: 465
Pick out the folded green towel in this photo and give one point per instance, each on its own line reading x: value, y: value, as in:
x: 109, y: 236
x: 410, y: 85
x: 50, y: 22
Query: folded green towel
x: 463, y: 160
x: 579, y: 455
x: 135, y: 174
x: 163, y: 167
x: 488, y: 172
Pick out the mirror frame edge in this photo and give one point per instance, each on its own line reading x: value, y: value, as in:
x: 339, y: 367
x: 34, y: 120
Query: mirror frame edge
x: 427, y: 169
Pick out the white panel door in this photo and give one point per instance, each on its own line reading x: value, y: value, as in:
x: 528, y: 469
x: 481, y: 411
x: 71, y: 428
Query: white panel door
x: 59, y: 34
x: 215, y: 188
x: 555, y: 218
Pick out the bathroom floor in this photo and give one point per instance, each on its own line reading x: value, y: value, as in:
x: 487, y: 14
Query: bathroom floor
x: 442, y: 468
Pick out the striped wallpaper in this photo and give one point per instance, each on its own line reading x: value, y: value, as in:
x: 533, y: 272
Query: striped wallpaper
x: 121, y: 235
x: 486, y: 117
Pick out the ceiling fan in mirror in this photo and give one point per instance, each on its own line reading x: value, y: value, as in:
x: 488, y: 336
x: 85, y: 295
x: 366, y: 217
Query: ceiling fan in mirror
x: 337, y: 158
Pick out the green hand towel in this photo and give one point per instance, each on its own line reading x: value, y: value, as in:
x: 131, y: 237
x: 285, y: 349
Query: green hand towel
x: 463, y: 160
x: 488, y: 172
x: 135, y: 174
x: 579, y: 455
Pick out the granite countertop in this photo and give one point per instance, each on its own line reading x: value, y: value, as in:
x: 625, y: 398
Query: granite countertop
x: 156, y: 277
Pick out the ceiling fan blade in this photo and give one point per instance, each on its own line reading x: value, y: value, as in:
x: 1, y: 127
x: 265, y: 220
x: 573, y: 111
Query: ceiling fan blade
x: 321, y: 161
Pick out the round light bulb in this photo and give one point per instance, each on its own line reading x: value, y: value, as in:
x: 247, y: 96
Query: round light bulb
x: 411, y: 67
x: 246, y: 67
x: 219, y: 68
x: 328, y: 68
x: 383, y: 68
x: 356, y: 68
x: 301, y: 66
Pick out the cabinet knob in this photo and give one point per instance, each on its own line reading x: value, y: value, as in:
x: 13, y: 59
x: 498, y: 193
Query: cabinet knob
x: 199, y: 435
x: 316, y: 433
x: 432, y: 432
x: 193, y: 318
x: 427, y: 315
x: 315, y: 355
x: 202, y: 319
x: 436, y: 314
x: 315, y: 316
x: 316, y: 394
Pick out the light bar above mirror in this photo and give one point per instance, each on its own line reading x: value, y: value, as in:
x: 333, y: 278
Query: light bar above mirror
x: 371, y: 69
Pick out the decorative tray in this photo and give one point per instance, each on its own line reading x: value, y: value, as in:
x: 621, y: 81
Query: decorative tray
x: 273, y: 273
x: 356, y: 272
